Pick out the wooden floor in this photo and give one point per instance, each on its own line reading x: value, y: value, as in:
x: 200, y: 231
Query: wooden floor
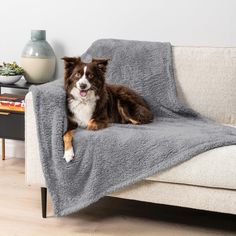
x: 20, y: 214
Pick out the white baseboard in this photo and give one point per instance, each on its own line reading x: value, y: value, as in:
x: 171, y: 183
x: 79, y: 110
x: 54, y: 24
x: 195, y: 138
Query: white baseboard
x: 14, y: 148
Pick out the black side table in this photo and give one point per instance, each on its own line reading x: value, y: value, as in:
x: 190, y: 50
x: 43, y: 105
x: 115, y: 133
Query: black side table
x: 12, y: 123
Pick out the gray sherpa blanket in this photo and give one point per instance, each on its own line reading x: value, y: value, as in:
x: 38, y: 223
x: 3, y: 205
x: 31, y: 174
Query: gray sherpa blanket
x: 110, y: 159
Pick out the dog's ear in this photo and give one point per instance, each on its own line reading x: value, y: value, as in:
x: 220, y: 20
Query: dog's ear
x: 69, y: 64
x: 70, y: 61
x: 101, y: 63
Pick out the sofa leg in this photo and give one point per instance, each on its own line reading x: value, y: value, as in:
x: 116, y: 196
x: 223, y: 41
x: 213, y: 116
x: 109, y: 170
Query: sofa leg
x: 44, y: 201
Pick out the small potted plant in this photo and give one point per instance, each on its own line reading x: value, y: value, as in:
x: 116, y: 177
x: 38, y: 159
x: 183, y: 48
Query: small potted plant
x: 10, y: 73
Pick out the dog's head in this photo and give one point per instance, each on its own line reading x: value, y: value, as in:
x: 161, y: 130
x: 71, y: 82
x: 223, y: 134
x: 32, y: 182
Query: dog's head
x: 84, y: 77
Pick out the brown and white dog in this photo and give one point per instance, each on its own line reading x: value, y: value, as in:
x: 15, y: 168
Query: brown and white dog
x: 92, y: 103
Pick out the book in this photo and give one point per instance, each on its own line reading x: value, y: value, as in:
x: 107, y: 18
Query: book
x: 12, y: 102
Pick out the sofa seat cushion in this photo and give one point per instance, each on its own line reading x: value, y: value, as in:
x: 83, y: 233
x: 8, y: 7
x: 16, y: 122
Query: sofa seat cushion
x: 214, y: 168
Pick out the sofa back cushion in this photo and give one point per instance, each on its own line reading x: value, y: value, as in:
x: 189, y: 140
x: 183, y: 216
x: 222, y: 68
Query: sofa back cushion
x: 206, y: 80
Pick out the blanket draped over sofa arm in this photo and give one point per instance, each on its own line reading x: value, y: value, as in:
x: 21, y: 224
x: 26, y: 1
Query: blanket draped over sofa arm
x: 120, y: 155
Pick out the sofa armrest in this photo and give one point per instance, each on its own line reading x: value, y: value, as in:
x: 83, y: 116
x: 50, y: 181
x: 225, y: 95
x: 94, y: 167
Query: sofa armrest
x: 33, y: 168
x: 41, y: 95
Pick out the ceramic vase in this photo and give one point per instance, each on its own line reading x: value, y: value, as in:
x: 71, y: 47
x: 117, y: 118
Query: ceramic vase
x: 38, y: 59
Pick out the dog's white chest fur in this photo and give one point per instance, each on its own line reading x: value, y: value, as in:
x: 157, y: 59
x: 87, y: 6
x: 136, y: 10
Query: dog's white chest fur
x: 82, y: 108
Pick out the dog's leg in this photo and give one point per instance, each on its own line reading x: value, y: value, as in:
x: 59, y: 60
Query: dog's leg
x: 67, y: 138
x: 143, y: 114
x: 68, y: 148
x: 134, y: 122
x: 125, y: 115
x: 97, y: 124
x: 139, y: 115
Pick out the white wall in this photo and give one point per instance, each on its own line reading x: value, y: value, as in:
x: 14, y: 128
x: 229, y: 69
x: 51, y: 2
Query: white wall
x: 73, y: 25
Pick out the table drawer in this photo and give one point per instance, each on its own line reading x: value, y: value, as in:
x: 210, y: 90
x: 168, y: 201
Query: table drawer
x: 12, y: 125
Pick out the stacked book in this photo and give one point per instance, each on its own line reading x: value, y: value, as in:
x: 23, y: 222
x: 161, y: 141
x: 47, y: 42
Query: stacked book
x: 12, y: 102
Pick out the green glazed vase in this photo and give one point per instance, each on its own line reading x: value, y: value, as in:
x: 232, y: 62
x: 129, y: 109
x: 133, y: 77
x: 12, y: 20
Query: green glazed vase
x: 38, y: 59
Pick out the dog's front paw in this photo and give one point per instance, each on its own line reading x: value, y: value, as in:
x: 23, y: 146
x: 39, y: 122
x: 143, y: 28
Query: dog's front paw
x: 95, y: 125
x: 69, y: 155
x: 92, y: 125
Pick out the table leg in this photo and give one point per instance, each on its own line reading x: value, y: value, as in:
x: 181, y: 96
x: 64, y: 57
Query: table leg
x: 3, y: 149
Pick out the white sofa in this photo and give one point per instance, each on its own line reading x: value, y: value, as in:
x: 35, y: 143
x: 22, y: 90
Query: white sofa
x: 206, y: 81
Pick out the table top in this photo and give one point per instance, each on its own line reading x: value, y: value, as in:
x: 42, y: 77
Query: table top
x: 21, y: 84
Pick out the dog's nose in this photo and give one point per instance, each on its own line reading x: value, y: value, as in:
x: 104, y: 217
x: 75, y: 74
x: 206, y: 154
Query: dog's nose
x: 83, y: 86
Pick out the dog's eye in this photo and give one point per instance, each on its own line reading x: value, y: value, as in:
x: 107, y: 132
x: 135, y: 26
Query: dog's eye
x: 90, y: 76
x: 78, y: 75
